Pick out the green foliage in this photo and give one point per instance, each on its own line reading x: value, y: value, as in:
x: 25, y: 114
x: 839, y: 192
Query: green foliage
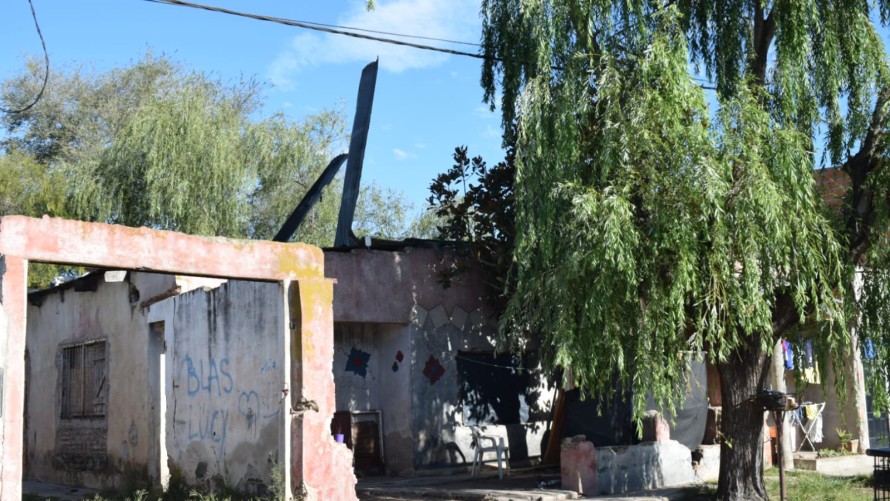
x: 801, y: 486
x: 647, y: 229
x: 152, y: 144
x: 806, y: 485
x: 653, y: 223
x: 277, y: 486
x: 475, y: 204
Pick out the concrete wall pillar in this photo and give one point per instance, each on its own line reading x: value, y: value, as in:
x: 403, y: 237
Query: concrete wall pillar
x: 13, y: 309
x: 321, y: 468
x: 857, y: 381
x: 578, y: 466
x: 777, y: 381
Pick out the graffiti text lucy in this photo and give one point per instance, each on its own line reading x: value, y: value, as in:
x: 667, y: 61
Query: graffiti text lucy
x: 208, y: 424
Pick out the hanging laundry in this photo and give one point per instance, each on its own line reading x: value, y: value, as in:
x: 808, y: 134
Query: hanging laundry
x: 869, y: 348
x: 808, y: 349
x: 816, y: 433
x: 789, y: 355
x: 811, y: 375
x: 811, y: 411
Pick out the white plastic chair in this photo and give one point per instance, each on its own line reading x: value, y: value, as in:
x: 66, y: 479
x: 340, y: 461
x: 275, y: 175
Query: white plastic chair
x: 496, y: 445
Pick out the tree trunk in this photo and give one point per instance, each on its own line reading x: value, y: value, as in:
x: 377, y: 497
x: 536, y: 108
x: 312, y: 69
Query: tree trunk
x: 741, y: 453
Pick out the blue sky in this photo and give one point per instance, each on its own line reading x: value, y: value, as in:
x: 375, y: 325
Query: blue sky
x: 426, y: 103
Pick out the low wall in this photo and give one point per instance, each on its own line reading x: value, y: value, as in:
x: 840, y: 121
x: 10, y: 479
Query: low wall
x: 649, y: 465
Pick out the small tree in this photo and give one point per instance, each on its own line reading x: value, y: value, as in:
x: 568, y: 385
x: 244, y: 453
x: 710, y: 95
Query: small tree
x: 474, y: 203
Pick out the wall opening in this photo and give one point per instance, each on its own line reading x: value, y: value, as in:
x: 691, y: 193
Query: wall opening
x: 157, y: 424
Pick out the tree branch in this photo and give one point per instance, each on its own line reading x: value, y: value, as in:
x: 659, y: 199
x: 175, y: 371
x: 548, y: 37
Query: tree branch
x: 859, y: 167
x: 764, y: 31
x: 785, y: 314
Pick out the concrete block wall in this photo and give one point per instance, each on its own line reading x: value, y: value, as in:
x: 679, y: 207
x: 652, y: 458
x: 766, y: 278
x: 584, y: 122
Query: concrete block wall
x: 308, y: 316
x: 391, y: 306
x: 648, y: 465
x: 382, y: 381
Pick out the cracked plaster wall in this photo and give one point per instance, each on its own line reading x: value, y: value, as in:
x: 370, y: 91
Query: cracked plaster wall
x: 443, y: 438
x: 225, y: 369
x: 56, y: 449
x: 386, y: 302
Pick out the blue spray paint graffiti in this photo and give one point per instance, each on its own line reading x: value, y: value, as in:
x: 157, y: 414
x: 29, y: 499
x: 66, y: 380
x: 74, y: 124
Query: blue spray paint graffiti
x: 209, y: 425
x: 197, y: 381
x: 210, y: 383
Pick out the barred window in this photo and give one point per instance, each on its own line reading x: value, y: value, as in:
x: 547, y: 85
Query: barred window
x: 84, y: 385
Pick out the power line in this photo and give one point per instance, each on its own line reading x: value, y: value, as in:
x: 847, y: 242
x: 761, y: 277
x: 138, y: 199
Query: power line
x: 45, y: 72
x: 341, y: 30
x: 366, y: 30
x: 324, y: 28
x: 510, y: 367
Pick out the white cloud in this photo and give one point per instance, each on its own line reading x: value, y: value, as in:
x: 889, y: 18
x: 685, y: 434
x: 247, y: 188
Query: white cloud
x: 402, y: 154
x: 454, y: 20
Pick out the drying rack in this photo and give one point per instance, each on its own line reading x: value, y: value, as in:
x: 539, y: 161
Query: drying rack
x: 807, y: 428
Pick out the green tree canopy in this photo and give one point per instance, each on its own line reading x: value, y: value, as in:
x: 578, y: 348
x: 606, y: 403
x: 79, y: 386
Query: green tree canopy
x: 152, y: 144
x: 655, y: 221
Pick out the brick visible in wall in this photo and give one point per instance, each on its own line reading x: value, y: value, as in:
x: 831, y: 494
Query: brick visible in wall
x: 81, y: 445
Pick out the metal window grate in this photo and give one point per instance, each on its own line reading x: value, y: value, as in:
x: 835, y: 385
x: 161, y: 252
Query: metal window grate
x: 84, y: 385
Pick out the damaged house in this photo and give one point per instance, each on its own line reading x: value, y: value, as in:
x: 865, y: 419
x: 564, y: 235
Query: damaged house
x: 165, y: 376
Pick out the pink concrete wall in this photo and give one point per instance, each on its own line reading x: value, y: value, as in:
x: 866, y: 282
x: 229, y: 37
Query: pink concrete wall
x: 383, y: 286
x: 12, y: 300
x: 323, y: 468
x: 121, y: 247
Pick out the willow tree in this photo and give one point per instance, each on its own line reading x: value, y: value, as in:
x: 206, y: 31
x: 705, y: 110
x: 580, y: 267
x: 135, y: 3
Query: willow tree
x: 152, y: 144
x: 658, y: 222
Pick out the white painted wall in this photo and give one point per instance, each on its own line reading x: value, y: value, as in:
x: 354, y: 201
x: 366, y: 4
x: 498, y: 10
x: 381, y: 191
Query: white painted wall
x: 65, y: 316
x: 381, y: 388
x: 226, y: 375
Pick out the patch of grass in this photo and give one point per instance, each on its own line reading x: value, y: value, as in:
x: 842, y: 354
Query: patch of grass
x: 812, y: 486
x: 829, y: 453
x: 800, y: 486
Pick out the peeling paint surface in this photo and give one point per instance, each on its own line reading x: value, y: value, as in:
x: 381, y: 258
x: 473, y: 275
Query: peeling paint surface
x: 227, y: 384
x: 117, y: 247
x: 12, y: 360
x: 76, y: 242
x: 332, y: 478
x: 91, y: 452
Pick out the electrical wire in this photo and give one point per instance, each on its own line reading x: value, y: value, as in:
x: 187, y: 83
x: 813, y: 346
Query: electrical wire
x: 519, y: 369
x: 403, y: 35
x: 323, y: 28
x: 39, y: 95
x: 341, y: 30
